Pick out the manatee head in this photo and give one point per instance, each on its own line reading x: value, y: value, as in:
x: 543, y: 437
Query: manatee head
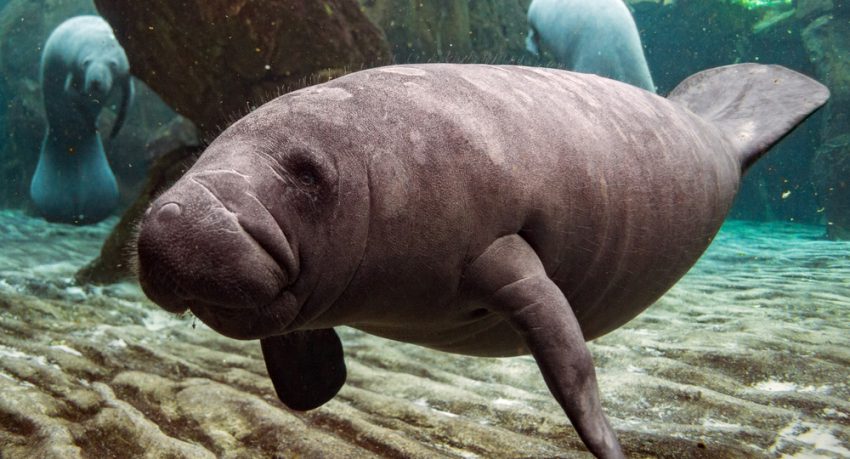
x: 97, y: 82
x: 101, y: 65
x: 264, y: 232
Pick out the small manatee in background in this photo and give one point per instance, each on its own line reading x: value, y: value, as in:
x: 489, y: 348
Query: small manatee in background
x: 477, y: 209
x: 590, y: 36
x: 82, y: 67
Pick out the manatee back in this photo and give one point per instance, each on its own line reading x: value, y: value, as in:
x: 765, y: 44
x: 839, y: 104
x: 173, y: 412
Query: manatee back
x: 754, y: 105
x: 618, y: 190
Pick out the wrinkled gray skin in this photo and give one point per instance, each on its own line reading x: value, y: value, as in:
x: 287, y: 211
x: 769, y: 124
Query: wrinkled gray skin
x: 483, y: 210
x: 590, y: 36
x: 82, y: 68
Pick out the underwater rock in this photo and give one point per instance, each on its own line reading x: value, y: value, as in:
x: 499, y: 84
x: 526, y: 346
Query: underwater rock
x: 23, y: 126
x: 178, y: 133
x: 826, y: 40
x: 150, y: 126
x: 807, y: 8
x: 452, y: 31
x: 213, y: 60
x: 25, y: 26
x: 733, y: 362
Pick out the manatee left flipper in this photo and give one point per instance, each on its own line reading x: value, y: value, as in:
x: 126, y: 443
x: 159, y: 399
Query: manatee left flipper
x: 511, y: 280
x: 69, y: 82
x: 128, y: 93
x: 307, y: 368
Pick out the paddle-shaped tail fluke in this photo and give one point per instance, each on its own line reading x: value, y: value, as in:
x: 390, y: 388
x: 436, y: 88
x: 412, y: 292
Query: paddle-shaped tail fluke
x: 755, y: 105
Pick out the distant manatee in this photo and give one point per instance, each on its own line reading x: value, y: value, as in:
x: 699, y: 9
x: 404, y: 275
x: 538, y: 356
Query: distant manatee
x: 590, y: 36
x: 82, y: 67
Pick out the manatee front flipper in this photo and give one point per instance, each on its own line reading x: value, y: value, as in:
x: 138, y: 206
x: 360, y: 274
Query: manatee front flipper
x: 306, y: 367
x: 513, y: 283
x: 532, y: 42
x: 69, y: 82
x: 128, y: 92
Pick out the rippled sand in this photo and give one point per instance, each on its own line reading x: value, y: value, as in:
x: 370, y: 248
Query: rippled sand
x: 748, y: 356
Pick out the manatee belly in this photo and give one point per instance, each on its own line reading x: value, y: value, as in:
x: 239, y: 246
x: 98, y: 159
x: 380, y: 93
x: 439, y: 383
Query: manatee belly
x: 486, y: 335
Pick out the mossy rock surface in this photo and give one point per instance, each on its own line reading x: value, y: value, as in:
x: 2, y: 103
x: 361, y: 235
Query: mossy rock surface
x: 212, y: 60
x: 448, y: 30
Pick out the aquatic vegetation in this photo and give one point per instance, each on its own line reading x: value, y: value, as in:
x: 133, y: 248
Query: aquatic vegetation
x: 756, y: 4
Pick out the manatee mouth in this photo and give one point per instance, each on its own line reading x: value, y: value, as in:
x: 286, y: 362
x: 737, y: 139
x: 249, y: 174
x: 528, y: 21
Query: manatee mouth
x: 247, y: 324
x: 252, y: 216
x: 261, y: 321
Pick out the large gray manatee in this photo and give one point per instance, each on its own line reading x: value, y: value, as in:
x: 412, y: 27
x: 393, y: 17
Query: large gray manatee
x: 476, y: 209
x: 82, y: 67
x: 590, y: 36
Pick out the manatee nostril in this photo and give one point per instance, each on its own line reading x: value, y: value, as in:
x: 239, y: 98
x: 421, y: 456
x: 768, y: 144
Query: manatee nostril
x: 169, y: 212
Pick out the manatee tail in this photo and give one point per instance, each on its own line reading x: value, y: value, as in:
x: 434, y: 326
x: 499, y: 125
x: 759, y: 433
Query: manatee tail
x: 755, y: 105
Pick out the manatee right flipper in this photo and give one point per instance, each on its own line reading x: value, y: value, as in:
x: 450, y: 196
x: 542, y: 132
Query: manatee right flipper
x: 69, y: 82
x: 532, y: 42
x: 511, y: 280
x: 128, y: 93
x: 307, y: 368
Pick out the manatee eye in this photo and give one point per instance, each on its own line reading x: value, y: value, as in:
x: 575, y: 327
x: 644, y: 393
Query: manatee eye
x: 307, y: 178
x: 304, y: 169
x: 312, y: 181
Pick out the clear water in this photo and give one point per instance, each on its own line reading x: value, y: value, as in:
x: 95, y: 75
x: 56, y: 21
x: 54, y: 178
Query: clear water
x: 747, y: 356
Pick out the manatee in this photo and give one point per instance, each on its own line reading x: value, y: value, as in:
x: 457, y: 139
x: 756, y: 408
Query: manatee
x: 591, y: 36
x: 82, y: 68
x: 475, y: 209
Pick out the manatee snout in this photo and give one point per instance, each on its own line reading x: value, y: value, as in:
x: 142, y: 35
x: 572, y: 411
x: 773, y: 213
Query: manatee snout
x: 201, y: 248
x: 98, y: 81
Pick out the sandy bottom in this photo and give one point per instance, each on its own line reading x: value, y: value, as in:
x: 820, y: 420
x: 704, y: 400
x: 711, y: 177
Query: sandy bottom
x: 748, y: 356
